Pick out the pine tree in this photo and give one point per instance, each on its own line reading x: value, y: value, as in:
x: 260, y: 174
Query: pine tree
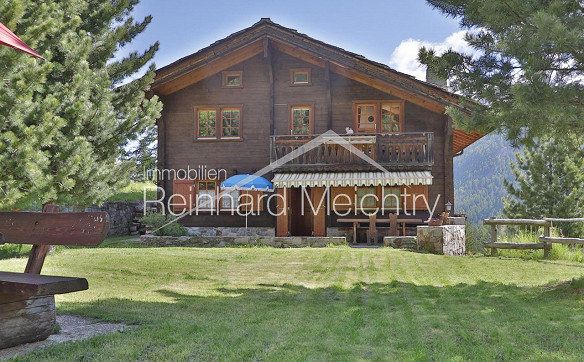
x: 528, y: 70
x: 549, y: 182
x: 65, y: 121
x: 143, y: 155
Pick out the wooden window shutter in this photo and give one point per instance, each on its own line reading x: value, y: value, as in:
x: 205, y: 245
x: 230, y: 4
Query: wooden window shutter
x: 256, y: 201
x: 342, y: 200
x: 416, y: 191
x: 186, y: 189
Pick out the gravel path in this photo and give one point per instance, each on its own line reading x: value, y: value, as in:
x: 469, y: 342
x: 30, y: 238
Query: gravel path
x: 72, y: 328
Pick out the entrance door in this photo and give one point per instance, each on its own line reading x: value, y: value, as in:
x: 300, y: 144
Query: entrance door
x: 300, y: 222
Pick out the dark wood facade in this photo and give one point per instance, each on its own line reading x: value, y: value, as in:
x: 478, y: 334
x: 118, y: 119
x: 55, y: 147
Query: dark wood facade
x: 266, y: 97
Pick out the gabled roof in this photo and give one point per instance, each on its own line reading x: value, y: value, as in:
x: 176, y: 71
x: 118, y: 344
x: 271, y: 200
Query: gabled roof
x: 264, y: 34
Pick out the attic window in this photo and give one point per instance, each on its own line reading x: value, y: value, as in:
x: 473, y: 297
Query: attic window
x: 232, y: 79
x: 300, y: 76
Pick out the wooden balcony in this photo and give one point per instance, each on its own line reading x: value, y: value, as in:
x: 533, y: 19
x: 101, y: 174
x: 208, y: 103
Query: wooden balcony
x: 411, y: 151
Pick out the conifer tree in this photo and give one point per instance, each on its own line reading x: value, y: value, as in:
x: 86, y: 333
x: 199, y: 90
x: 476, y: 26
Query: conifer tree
x: 528, y: 70
x: 64, y: 121
x: 549, y: 182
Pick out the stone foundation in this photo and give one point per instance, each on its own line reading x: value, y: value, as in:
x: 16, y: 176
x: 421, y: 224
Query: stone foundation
x: 230, y: 231
x: 401, y: 242
x: 337, y: 231
x: 227, y: 241
x: 446, y: 239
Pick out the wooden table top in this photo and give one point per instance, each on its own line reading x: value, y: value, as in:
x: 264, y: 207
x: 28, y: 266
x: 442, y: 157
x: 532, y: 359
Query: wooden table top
x: 381, y: 221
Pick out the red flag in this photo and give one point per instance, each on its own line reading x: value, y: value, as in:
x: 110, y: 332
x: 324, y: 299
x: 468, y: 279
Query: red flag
x: 10, y: 39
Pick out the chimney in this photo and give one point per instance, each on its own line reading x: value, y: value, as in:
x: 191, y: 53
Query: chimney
x: 432, y: 78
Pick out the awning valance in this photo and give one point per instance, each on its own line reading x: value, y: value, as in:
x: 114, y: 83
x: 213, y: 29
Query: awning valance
x: 319, y: 179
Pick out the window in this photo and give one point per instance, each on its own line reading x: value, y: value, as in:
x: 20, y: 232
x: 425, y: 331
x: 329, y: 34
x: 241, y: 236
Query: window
x: 232, y: 79
x: 366, y: 117
x: 227, y: 127
x: 379, y: 116
x: 366, y: 197
x: 230, y: 120
x: 300, y: 120
x: 390, y: 197
x: 207, y: 123
x: 229, y: 200
x: 391, y: 117
x: 300, y: 76
x: 206, y: 195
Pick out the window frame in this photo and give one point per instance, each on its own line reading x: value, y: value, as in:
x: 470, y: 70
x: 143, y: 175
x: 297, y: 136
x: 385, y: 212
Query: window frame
x: 233, y: 208
x: 308, y: 72
x: 215, y: 199
x: 218, y: 122
x: 198, y: 124
x: 239, y: 109
x: 310, y: 118
x: 358, y: 198
x: 229, y: 73
x: 378, y: 111
x: 401, y: 104
x: 375, y: 106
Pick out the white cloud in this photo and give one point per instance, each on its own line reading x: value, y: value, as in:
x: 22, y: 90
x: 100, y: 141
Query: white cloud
x: 405, y: 57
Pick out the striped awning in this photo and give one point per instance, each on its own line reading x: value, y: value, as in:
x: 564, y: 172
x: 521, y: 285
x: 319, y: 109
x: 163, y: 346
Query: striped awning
x: 319, y: 179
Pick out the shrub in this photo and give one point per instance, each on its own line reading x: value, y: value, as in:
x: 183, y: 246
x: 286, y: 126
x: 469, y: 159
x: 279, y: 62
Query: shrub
x: 8, y: 251
x: 476, y: 236
x: 155, y: 221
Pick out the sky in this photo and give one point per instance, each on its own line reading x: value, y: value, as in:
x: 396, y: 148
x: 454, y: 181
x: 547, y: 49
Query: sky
x: 389, y: 31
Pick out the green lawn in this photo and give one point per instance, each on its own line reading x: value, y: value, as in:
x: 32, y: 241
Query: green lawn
x: 332, y: 303
x: 134, y: 191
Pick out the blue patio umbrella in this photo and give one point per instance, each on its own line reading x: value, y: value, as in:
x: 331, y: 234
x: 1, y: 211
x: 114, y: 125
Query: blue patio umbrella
x: 247, y: 182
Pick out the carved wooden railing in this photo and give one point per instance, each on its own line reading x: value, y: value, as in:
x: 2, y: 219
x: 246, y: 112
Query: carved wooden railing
x: 396, y: 150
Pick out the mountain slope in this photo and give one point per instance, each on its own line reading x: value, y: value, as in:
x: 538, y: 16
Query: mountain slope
x: 478, y: 177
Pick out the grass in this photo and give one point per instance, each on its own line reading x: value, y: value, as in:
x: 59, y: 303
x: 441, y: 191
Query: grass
x: 558, y: 252
x: 330, y: 303
x: 134, y: 191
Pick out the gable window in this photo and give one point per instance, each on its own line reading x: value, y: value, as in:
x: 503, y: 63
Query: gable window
x: 230, y: 121
x: 366, y: 117
x: 391, y: 117
x: 232, y: 79
x: 217, y: 122
x: 300, y: 76
x: 207, y: 123
x: 206, y: 195
x: 379, y: 116
x: 300, y: 120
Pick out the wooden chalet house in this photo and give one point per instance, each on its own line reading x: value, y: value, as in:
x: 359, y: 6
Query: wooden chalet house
x: 256, y: 95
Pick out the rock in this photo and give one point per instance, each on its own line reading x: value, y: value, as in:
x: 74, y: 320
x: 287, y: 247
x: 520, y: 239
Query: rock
x: 446, y: 239
x: 401, y: 242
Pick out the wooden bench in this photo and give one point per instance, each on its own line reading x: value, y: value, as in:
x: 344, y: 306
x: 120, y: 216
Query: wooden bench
x: 27, y: 300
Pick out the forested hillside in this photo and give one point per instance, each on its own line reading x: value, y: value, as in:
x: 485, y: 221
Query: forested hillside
x: 478, y: 177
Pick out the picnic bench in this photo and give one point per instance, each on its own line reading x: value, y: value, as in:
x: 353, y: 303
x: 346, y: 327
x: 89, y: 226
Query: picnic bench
x: 394, y: 222
x: 27, y: 300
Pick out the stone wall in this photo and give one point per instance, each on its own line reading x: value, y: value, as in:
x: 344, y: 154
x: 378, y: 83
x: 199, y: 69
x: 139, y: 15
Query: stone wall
x: 121, y: 215
x: 226, y: 241
x: 401, y: 242
x: 446, y: 239
x: 230, y: 231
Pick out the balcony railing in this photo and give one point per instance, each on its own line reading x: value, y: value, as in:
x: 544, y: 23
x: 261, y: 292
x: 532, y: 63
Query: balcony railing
x: 395, y: 150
